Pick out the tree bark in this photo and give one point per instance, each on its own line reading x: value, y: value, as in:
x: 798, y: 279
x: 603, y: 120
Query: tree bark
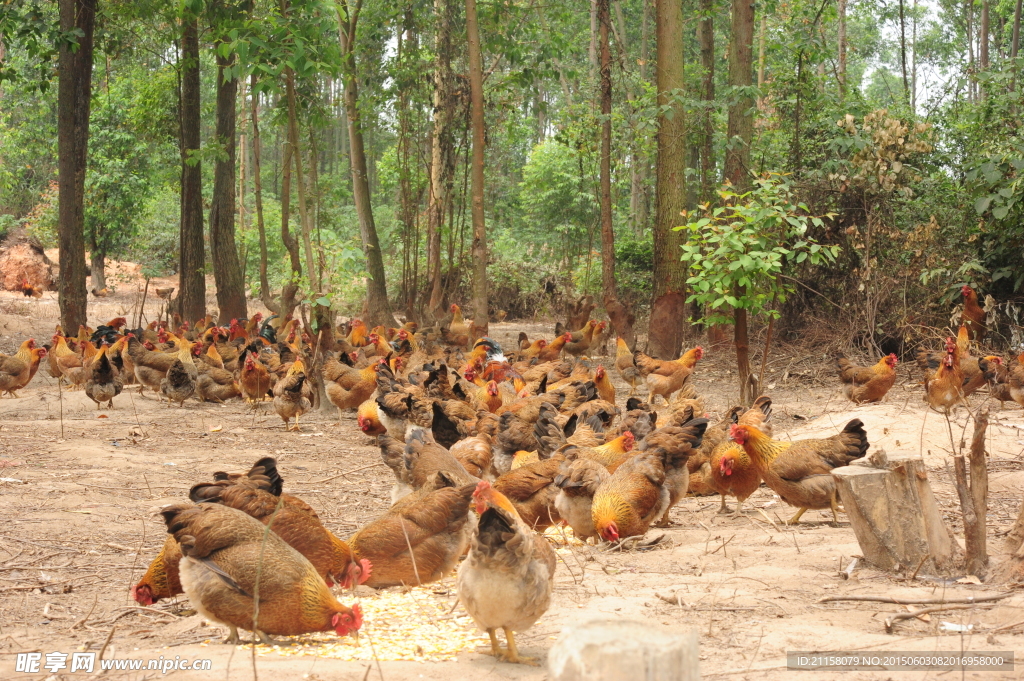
x: 291, y: 244
x: 74, y: 89
x: 257, y: 180
x: 300, y: 182
x: 227, y: 272
x: 742, y: 342
x: 706, y: 35
x: 983, y: 58
x: 620, y: 319
x: 479, y: 249
x: 841, y: 48
x: 442, y: 159
x: 378, y: 306
x: 903, y: 51
x: 668, y: 308
x: 192, y: 259
x: 1015, y: 43
x: 97, y: 273
x: 741, y: 122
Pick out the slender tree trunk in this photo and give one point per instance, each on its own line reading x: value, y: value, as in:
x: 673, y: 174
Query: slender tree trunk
x: 74, y: 89
x: 378, y: 305
x: 97, y: 268
x: 442, y: 160
x: 192, y: 259
x: 668, y: 299
x: 594, y: 66
x: 257, y: 180
x: 291, y: 244
x: 479, y: 251
x: 737, y: 158
x: 983, y: 38
x: 841, y: 48
x: 293, y: 138
x: 903, y: 51
x: 706, y: 35
x: 741, y: 122
x: 227, y: 272
x: 1015, y: 43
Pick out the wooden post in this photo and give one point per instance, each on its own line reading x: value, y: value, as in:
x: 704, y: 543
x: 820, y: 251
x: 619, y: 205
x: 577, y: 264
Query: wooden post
x: 973, y: 496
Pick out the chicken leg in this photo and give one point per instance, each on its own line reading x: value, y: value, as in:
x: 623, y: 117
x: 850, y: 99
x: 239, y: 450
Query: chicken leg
x: 737, y: 513
x: 796, y: 518
x: 513, y: 652
x: 723, y: 508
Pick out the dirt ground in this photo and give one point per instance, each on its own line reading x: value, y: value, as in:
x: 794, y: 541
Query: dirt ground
x: 78, y: 491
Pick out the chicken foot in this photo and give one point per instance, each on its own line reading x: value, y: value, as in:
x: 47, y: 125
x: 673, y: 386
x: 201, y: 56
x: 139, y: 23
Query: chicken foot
x: 796, y: 518
x: 512, y: 654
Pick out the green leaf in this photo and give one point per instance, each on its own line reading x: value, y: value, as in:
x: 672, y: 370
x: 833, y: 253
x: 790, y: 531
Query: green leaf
x: 982, y: 204
x: 1000, y: 212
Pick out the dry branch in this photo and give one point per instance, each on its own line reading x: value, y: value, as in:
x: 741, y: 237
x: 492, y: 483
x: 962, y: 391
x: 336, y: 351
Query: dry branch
x: 915, y: 601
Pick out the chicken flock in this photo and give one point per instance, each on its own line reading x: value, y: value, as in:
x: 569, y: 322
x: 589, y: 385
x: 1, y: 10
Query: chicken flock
x: 488, y: 450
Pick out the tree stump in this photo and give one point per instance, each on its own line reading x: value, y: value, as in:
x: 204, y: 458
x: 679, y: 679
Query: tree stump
x: 612, y: 650
x: 895, y: 517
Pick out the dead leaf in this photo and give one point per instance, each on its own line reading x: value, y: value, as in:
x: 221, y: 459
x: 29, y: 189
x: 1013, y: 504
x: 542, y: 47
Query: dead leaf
x: 969, y: 579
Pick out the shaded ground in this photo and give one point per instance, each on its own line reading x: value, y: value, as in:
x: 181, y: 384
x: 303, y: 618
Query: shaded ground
x: 79, y: 490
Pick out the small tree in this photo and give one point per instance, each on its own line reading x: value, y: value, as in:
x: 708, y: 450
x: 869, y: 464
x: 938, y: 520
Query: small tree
x: 738, y: 252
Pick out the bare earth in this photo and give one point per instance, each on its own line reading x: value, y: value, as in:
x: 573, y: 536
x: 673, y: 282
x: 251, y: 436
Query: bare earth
x: 78, y: 491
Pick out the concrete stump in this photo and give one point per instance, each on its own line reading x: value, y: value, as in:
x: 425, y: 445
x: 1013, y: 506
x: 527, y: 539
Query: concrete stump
x: 617, y: 650
x: 895, y: 517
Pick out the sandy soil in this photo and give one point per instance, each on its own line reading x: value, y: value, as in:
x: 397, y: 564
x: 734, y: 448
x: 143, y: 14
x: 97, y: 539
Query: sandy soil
x: 78, y: 490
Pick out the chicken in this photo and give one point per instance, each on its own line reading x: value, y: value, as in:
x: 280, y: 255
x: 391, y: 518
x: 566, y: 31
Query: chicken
x: 699, y: 463
x: 475, y: 454
x: 258, y: 493
x: 180, y: 382
x: 215, y: 383
x: 801, y: 472
x: 636, y: 494
x: 664, y: 377
x: 604, y: 386
x: 150, y: 367
x: 16, y: 369
x: 507, y: 578
x: 944, y: 389
x: 577, y: 481
x: 533, y: 349
x: 254, y: 379
x: 599, y: 344
x: 866, y: 384
x: 612, y: 453
x: 458, y: 329
x: 579, y: 341
x: 531, y: 490
x: 416, y: 462
x: 624, y: 363
x: 973, y: 315
x: 551, y: 351
x: 420, y: 538
x: 227, y: 555
x: 69, y: 362
x: 104, y: 381
x: 30, y: 291
x: 675, y: 444
x: 730, y: 470
x: 161, y: 579
x: 347, y: 387
x: 292, y: 394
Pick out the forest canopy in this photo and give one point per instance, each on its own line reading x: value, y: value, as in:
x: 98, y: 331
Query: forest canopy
x: 381, y: 157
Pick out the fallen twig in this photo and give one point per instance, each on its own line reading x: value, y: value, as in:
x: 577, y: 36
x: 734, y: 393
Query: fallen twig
x: 915, y: 601
x: 889, y: 621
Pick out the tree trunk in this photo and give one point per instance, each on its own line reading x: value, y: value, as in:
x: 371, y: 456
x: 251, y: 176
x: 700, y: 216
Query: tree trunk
x: 621, y: 319
x: 227, y: 272
x: 300, y: 182
x: 668, y: 309
x: 1015, y: 43
x: 479, y: 252
x: 706, y: 35
x: 741, y: 123
x: 192, y: 258
x: 378, y: 305
x: 983, y: 38
x: 442, y: 150
x: 74, y: 89
x: 257, y: 180
x: 842, y: 49
x: 903, y: 51
x: 290, y: 288
x: 97, y: 262
x: 742, y: 342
